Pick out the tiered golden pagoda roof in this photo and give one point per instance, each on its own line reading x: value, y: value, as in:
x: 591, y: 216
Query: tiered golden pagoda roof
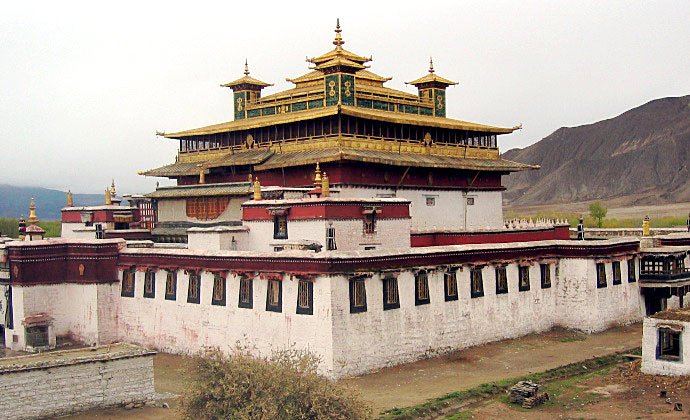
x: 246, y: 80
x: 432, y: 77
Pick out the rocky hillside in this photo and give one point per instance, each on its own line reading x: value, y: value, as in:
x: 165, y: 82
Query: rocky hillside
x: 641, y: 156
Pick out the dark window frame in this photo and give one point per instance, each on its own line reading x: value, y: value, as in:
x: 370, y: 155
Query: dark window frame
x: 632, y: 269
x: 274, y: 307
x: 354, y: 309
x: 309, y: 308
x: 501, y: 273
x: 523, y: 278
x: 450, y: 281
x: 476, y: 279
x: 674, y: 338
x: 128, y: 292
x: 278, y: 232
x: 390, y: 283
x: 150, y: 284
x: 601, y: 275
x: 193, y: 278
x: 218, y: 279
x: 421, y: 278
x: 249, y: 302
x: 545, y: 271
x: 171, y: 278
x: 616, y: 272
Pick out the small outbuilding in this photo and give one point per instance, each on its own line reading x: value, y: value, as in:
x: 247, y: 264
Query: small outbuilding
x: 666, y: 343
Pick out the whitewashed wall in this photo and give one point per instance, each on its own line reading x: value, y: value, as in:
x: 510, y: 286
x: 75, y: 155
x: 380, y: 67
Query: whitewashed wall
x: 650, y: 364
x: 450, y: 211
x: 218, y: 239
x: 175, y: 210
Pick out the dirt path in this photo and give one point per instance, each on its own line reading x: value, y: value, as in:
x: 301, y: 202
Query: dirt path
x: 415, y: 383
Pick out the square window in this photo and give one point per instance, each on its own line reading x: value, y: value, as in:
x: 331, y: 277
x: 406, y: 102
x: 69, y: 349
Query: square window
x: 194, y: 287
x: 280, y: 227
x: 476, y: 283
x: 421, y: 288
x: 616, y: 268
x: 632, y: 272
x: 358, y: 296
x: 150, y: 284
x: 246, y: 299
x: 470, y: 201
x: 274, y: 296
x: 391, y: 299
x: 501, y: 280
x: 450, y: 285
x: 171, y: 285
x: 601, y: 275
x: 218, y: 297
x: 523, y: 278
x: 430, y: 201
x: 545, y: 275
x: 305, y: 297
x: 668, y: 345
x: 128, y: 283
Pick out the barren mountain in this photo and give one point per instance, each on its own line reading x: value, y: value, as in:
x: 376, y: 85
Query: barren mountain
x: 641, y: 156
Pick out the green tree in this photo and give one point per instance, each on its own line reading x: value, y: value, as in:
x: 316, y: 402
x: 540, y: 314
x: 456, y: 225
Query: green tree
x: 283, y: 386
x: 598, y: 212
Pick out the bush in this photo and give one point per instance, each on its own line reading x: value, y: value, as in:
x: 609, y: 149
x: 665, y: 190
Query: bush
x: 283, y: 386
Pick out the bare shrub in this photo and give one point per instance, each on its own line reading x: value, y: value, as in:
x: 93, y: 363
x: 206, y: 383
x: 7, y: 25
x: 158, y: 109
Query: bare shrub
x: 283, y: 386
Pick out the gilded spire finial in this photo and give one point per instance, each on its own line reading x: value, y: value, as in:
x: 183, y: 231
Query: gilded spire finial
x: 33, y: 219
x: 108, y: 197
x: 70, y: 202
x: 246, y: 68
x: 338, y: 41
x: 317, y: 175
x: 431, y: 64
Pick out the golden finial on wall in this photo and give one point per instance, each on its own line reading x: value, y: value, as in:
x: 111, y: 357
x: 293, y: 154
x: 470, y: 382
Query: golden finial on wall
x: 113, y: 192
x: 70, y: 203
x: 33, y: 219
x: 317, y: 175
x: 246, y: 68
x: 202, y: 174
x: 338, y: 41
x: 325, y: 186
x: 257, y: 190
x: 431, y: 65
x: 108, y: 197
x: 646, y: 230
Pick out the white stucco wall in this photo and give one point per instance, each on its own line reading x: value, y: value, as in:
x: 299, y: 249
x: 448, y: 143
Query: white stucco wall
x: 175, y: 210
x: 450, y: 210
x: 219, y: 239
x: 653, y: 366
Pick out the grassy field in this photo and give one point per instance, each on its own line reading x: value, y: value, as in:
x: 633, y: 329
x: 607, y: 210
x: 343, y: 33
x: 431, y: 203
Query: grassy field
x: 608, y: 222
x: 10, y: 227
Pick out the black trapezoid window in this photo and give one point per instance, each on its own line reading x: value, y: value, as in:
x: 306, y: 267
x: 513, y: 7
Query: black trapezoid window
x: 194, y: 287
x: 305, y: 297
x: 616, y: 269
x: 391, y: 298
x: 523, y: 278
x: 450, y: 285
x: 219, y: 285
x: 501, y: 280
x: 280, y: 226
x: 421, y: 288
x: 476, y: 283
x: 171, y: 285
x: 632, y: 271
x: 274, y: 295
x: 246, y: 293
x: 358, y: 296
x: 601, y: 275
x: 668, y: 344
x: 128, y: 277
x: 150, y: 284
x: 545, y: 270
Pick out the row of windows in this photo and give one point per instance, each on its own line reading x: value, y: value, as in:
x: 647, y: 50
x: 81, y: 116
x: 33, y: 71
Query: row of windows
x: 616, y: 273
x: 280, y: 229
x: 274, y: 290
x: 391, y: 297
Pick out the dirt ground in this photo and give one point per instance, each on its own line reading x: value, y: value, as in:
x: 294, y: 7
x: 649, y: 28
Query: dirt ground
x: 614, y: 211
x: 417, y: 382
x: 615, y: 393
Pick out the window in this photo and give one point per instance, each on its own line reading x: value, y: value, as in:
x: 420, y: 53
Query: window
x: 246, y: 299
x: 206, y: 208
x: 305, y: 297
x: 430, y: 201
x: 523, y: 278
x: 358, y: 296
x: 668, y: 344
x: 470, y: 201
x: 421, y: 288
x: 501, y: 280
x: 369, y: 224
x: 218, y: 297
x: 476, y: 283
x: 171, y: 285
x: 632, y: 272
x: 391, y: 299
x: 274, y: 296
x: 545, y: 275
x: 450, y: 286
x: 194, y: 286
x: 330, y: 238
x: 616, y: 268
x: 150, y: 284
x: 601, y: 275
x: 128, y: 283
x: 280, y: 227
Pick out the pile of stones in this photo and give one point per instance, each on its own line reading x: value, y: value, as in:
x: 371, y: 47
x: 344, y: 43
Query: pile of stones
x: 526, y: 393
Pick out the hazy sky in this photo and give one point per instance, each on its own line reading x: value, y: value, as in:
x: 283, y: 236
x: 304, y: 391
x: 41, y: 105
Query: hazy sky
x: 84, y: 86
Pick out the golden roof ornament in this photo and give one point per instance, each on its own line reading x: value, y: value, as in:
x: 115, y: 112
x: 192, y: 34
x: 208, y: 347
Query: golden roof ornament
x: 33, y: 219
x: 108, y: 197
x: 246, y: 68
x: 431, y: 65
x: 257, y: 189
x: 432, y: 78
x: 70, y: 202
x: 317, y: 175
x: 325, y: 186
x: 338, y: 41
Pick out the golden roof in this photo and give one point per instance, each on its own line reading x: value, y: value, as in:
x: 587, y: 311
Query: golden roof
x: 339, y: 61
x: 246, y: 79
x: 432, y: 77
x: 317, y: 75
x: 338, y: 51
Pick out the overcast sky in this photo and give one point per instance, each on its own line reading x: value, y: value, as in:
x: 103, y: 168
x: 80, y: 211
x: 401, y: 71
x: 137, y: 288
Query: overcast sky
x: 84, y: 87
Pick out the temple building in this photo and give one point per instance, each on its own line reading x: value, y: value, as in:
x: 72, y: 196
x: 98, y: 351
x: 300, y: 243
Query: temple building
x: 339, y: 216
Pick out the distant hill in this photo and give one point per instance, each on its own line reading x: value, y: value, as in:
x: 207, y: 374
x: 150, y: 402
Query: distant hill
x: 641, y: 156
x: 14, y: 201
